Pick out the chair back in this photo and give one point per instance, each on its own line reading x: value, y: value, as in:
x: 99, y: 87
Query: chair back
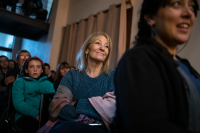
x: 44, y: 105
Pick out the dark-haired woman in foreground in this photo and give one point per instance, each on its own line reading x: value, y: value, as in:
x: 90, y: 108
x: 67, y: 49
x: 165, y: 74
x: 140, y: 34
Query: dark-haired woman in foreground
x: 156, y: 90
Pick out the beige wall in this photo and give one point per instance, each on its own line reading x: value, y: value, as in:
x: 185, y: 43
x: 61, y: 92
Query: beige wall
x: 58, y: 20
x: 79, y: 9
x: 66, y: 12
x: 136, y: 15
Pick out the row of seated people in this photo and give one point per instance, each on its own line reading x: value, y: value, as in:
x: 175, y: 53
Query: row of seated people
x: 151, y: 90
x: 73, y: 88
x: 29, y: 7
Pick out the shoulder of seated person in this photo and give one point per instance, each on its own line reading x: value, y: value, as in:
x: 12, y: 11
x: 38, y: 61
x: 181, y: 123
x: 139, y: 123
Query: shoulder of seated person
x: 112, y: 71
x: 139, y: 51
x: 73, y: 71
x: 21, y: 79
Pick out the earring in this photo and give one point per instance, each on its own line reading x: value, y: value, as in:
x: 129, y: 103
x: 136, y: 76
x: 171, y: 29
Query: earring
x: 86, y: 56
x: 153, y: 33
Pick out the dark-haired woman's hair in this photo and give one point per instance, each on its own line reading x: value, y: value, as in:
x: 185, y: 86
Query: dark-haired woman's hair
x: 151, y: 7
x: 23, y: 72
x: 60, y: 66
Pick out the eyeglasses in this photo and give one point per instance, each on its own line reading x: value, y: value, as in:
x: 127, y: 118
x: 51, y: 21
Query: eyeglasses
x: 22, y: 57
x: 1, y: 61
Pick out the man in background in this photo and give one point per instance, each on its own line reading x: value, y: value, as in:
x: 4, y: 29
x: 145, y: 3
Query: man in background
x: 13, y: 74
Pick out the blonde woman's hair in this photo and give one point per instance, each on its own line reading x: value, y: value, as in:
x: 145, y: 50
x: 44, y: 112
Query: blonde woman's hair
x: 81, y: 57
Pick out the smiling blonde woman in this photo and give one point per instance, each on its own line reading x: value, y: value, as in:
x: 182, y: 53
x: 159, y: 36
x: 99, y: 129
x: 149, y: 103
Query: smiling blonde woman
x: 92, y: 78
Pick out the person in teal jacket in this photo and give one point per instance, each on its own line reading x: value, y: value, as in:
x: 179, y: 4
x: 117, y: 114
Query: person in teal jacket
x: 26, y: 93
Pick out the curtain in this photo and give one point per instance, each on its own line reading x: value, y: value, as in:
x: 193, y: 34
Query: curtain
x: 112, y: 22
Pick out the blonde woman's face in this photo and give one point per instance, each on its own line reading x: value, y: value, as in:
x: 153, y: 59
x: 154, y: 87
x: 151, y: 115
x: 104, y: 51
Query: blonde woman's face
x: 98, y: 50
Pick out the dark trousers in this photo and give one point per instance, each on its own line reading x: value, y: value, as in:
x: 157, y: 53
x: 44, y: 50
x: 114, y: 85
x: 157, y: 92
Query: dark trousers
x: 75, y: 127
x: 28, y: 124
x: 11, y: 3
x: 29, y: 10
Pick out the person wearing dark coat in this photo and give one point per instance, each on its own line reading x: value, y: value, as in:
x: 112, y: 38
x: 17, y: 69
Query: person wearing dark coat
x: 157, y: 91
x: 35, y: 7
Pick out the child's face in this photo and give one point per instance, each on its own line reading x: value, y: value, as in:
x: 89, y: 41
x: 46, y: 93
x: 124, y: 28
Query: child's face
x: 34, y: 69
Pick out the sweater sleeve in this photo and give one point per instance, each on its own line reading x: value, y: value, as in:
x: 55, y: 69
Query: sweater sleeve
x: 67, y: 80
x: 140, y: 95
x: 18, y: 100
x: 51, y: 88
x: 84, y: 104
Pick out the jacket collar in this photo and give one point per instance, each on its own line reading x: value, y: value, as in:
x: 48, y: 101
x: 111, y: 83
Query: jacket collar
x: 32, y: 79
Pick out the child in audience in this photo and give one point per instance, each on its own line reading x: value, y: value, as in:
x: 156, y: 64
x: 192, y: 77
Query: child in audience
x: 26, y: 93
x: 62, y: 69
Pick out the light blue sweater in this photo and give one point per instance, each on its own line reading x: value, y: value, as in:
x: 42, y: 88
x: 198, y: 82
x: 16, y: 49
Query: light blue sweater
x: 83, y: 87
x: 26, y: 93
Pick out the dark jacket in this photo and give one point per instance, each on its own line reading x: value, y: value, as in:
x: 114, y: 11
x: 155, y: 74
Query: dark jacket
x: 150, y: 93
x: 56, y: 83
x: 2, y: 83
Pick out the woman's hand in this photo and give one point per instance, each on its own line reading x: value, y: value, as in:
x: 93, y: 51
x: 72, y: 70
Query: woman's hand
x: 37, y: 117
x: 73, y: 103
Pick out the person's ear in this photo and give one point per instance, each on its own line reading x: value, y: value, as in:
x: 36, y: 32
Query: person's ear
x: 86, y: 51
x: 42, y: 70
x: 149, y: 19
x: 26, y: 70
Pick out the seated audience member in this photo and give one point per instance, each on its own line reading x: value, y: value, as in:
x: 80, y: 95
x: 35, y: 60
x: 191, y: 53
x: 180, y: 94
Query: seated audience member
x: 3, y: 89
x: 157, y: 91
x: 93, y: 78
x: 3, y: 70
x: 13, y: 74
x: 36, y: 7
x: 26, y: 94
x: 62, y: 69
x: 73, y: 67
x: 47, y: 69
x: 11, y: 3
x: 12, y: 64
x: 52, y: 76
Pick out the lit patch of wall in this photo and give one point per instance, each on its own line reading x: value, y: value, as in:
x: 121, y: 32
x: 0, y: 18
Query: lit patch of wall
x: 38, y: 48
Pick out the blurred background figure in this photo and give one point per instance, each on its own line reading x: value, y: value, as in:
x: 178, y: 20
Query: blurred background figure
x: 62, y: 69
x: 34, y: 7
x: 3, y: 70
x: 12, y: 3
x: 12, y: 64
x: 52, y: 76
x: 47, y: 69
x: 13, y: 74
x: 3, y: 89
